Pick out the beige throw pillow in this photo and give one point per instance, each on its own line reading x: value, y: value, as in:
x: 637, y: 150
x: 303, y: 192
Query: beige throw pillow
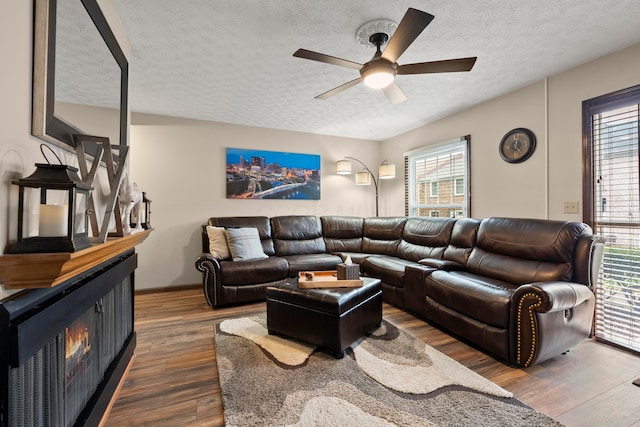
x: 218, y: 242
x: 244, y: 244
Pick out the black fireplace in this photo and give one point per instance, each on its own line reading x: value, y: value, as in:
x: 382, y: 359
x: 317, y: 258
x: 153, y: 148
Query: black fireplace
x: 65, y: 349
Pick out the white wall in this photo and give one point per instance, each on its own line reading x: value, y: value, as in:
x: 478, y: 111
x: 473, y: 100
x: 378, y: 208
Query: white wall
x: 19, y: 151
x: 552, y: 108
x: 181, y: 165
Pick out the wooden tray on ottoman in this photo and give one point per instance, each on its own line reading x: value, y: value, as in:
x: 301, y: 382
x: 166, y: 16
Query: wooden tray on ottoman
x: 325, y: 279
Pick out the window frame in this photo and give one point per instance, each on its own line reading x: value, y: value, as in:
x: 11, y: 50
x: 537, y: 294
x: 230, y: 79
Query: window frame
x: 589, y: 108
x: 615, y: 318
x: 412, y: 208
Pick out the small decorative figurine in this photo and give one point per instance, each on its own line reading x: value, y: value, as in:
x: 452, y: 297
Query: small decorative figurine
x: 130, y: 198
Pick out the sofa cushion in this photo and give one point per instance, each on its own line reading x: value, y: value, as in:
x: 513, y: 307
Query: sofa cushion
x: 523, y: 251
x: 297, y: 235
x: 311, y: 262
x: 425, y: 238
x: 382, y: 235
x: 218, y: 246
x: 516, y: 270
x: 244, y: 244
x: 260, y: 222
x: 463, y: 239
x: 538, y: 239
x: 389, y: 270
x: 342, y: 233
x: 241, y: 273
x: 478, y: 297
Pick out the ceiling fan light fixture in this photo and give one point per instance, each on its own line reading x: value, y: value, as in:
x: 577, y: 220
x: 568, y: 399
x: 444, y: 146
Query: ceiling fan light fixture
x: 381, y: 70
x: 378, y: 79
x: 378, y: 73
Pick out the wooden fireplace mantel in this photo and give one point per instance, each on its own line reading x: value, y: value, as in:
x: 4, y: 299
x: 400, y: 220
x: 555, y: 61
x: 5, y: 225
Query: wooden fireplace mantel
x: 29, y: 271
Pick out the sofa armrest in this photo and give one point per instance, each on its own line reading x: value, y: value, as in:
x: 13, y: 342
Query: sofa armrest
x: 211, y: 277
x: 548, y: 318
x: 414, y: 287
x: 588, y: 260
x: 553, y: 296
x: 441, y: 264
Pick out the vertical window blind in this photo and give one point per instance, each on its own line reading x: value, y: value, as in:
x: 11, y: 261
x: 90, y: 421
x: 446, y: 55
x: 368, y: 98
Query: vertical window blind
x: 437, y: 180
x: 615, y: 206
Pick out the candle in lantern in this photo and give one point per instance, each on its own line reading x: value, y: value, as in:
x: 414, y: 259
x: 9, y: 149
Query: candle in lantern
x: 53, y: 220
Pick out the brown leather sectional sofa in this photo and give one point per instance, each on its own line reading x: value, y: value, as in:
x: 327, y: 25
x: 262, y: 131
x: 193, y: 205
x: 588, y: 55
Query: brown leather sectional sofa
x: 522, y: 289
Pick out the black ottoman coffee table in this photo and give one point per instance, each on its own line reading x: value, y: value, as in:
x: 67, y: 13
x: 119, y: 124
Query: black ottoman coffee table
x: 333, y: 318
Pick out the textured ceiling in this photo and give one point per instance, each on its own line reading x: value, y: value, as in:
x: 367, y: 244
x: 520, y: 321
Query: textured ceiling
x: 231, y: 61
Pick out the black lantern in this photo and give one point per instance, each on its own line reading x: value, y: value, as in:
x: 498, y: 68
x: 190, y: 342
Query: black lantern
x: 62, y: 217
x: 144, y: 210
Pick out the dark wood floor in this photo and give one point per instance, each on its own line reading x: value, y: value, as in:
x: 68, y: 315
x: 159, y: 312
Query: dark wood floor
x: 173, y: 381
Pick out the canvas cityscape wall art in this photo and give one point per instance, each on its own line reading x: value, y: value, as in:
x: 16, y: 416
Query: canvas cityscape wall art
x: 260, y: 174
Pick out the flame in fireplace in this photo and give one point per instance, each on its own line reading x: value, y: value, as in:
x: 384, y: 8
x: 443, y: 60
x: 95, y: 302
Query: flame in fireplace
x: 78, y: 343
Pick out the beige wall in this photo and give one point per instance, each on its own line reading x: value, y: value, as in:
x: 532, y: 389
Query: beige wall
x: 101, y: 121
x: 181, y: 165
x: 566, y: 92
x: 536, y: 188
x: 551, y: 108
x: 497, y: 187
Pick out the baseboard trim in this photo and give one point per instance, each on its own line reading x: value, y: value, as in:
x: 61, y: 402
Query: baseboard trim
x: 103, y: 421
x: 168, y: 289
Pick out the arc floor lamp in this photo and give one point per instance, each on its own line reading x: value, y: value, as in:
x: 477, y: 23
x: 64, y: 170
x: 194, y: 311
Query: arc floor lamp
x: 385, y: 171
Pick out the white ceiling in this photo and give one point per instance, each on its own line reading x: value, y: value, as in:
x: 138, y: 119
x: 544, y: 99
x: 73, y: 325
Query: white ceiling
x: 231, y: 60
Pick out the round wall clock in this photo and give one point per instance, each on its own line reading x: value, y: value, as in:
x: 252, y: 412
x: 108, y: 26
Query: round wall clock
x: 517, y: 145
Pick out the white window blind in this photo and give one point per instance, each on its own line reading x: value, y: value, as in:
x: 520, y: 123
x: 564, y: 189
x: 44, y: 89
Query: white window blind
x: 615, y: 206
x: 436, y: 182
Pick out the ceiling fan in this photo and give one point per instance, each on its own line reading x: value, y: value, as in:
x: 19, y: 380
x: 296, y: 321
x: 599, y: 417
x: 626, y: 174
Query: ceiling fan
x: 381, y: 70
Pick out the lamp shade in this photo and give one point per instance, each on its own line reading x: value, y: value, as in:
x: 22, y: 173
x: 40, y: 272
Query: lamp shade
x: 363, y: 178
x: 386, y: 171
x: 343, y: 167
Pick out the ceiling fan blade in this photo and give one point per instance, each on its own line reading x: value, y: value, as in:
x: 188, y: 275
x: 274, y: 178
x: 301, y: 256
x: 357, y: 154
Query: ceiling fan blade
x: 412, y: 24
x: 394, y: 93
x: 327, y: 59
x: 446, y: 66
x: 341, y: 88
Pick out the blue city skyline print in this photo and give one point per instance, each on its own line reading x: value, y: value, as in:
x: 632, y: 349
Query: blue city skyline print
x: 261, y: 174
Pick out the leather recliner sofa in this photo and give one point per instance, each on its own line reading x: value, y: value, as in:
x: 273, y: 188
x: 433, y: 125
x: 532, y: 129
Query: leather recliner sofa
x: 521, y: 289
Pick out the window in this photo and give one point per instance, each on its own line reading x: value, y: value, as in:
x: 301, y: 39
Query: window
x: 612, y: 203
x: 436, y: 181
x: 459, y: 187
x: 434, y: 189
